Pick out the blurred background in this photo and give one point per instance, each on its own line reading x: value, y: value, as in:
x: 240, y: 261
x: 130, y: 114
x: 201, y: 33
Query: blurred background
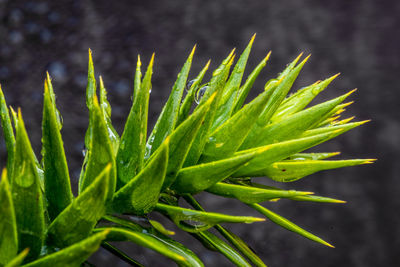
x: 360, y: 39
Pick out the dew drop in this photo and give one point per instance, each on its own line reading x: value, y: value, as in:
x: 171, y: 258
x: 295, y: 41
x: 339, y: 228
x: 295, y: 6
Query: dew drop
x: 199, y: 94
x: 84, y: 152
x: 150, y: 90
x: 189, y: 85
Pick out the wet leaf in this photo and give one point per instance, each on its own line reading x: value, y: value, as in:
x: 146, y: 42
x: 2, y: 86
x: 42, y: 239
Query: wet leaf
x: 56, y: 175
x: 27, y: 194
x: 8, y: 224
x: 202, y: 220
x: 200, y: 177
x: 77, y: 221
x: 140, y: 194
x: 73, y: 255
x: 169, y: 115
x: 8, y: 132
x: 130, y: 157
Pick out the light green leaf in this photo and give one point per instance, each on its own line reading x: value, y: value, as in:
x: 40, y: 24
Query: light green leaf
x: 300, y: 99
x: 27, y: 194
x: 200, y: 177
x: 201, y: 220
x: 73, y: 255
x: 289, y: 171
x: 190, y: 96
x: 338, y: 129
x: 160, y: 228
x: 77, y: 221
x: 277, y: 96
x: 17, y: 261
x: 100, y: 153
x: 216, y: 87
x: 249, y: 194
x: 245, y: 89
x: 169, y: 115
x: 285, y: 223
x: 312, y: 156
x: 106, y: 107
x: 227, y: 138
x: 8, y: 224
x: 56, y: 175
x: 130, y: 157
x: 294, y: 125
x: 276, y: 152
x: 8, y: 132
x: 141, y: 193
x: 224, y: 248
x: 182, y: 139
x: 226, y: 105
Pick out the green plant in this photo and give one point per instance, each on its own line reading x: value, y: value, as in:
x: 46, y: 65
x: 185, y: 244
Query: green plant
x: 216, y: 148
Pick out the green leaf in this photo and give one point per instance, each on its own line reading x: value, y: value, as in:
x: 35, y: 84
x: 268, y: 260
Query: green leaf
x: 245, y: 89
x: 144, y: 240
x: 17, y: 261
x: 202, y: 220
x: 153, y: 234
x: 77, y: 221
x: 249, y: 194
x: 300, y: 99
x: 227, y: 138
x: 27, y: 194
x: 182, y: 139
x: 313, y: 156
x: 160, y: 228
x: 216, y: 87
x: 73, y: 255
x: 110, y: 248
x: 231, y: 89
x: 224, y: 248
x: 8, y: 132
x: 190, y: 96
x: 277, y: 96
x: 285, y: 223
x: 294, y: 125
x: 276, y: 152
x: 56, y: 175
x: 140, y: 194
x: 130, y: 157
x: 100, y: 153
x: 231, y: 237
x: 200, y: 177
x: 289, y: 171
x: 335, y: 129
x: 169, y: 115
x: 8, y: 224
x: 105, y: 106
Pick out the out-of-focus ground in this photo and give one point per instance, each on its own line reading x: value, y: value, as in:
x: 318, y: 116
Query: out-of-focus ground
x: 360, y: 39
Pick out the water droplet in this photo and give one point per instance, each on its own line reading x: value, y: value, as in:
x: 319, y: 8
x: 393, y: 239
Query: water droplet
x: 150, y: 90
x: 189, y: 84
x: 199, y: 94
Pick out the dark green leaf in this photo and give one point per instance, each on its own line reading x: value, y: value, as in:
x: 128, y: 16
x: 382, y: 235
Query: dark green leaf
x: 169, y: 115
x: 200, y: 177
x: 8, y: 132
x: 77, y: 221
x: 73, y: 255
x: 56, y: 175
x: 8, y: 224
x: 27, y: 194
x: 17, y: 261
x: 130, y: 157
x: 141, y: 193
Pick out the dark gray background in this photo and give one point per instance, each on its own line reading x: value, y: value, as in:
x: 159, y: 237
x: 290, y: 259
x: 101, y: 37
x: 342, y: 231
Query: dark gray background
x: 360, y: 39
